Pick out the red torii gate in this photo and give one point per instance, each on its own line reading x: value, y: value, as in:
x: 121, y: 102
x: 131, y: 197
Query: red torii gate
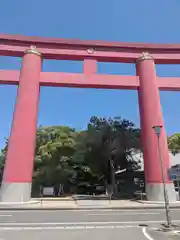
x: 17, y: 178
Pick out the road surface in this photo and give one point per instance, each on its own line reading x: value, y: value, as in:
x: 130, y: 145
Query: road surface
x: 83, y: 224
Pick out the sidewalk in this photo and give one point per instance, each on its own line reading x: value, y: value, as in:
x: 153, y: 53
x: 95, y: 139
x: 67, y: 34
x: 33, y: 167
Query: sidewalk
x: 70, y: 204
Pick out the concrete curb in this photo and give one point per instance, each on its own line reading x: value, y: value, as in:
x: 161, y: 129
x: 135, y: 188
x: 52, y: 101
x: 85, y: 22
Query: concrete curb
x: 8, y: 208
x: 154, y: 202
x: 54, y: 199
x: 16, y: 204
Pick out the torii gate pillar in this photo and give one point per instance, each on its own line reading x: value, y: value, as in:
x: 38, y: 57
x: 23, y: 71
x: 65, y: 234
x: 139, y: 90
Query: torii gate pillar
x: 151, y: 115
x: 17, y: 177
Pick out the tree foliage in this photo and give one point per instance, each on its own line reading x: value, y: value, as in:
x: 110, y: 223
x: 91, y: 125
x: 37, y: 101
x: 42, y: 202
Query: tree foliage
x: 108, y: 145
x: 174, y: 143
x: 54, y: 149
x: 66, y: 156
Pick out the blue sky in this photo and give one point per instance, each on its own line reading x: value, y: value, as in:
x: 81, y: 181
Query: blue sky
x: 155, y: 21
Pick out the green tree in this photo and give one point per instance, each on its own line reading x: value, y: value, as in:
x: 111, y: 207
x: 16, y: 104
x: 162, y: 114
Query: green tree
x: 108, y: 145
x: 54, y: 150
x: 2, y: 158
x: 55, y: 146
x: 68, y: 157
x: 174, y: 143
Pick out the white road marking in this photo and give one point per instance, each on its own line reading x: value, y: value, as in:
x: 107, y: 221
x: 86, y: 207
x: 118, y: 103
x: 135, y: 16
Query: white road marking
x: 85, y: 210
x: 61, y: 223
x: 120, y: 214
x: 5, y: 215
x: 80, y: 223
x: 176, y: 232
x: 146, y: 234
x: 119, y: 210
x: 67, y: 228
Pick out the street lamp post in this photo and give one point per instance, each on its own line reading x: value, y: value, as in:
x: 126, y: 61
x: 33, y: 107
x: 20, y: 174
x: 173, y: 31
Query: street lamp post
x: 157, y: 130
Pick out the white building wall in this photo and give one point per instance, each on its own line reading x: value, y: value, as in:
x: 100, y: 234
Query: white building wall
x: 173, y: 159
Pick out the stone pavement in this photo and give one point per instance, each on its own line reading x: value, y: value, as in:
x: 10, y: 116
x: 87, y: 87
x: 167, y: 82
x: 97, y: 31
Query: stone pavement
x: 69, y: 203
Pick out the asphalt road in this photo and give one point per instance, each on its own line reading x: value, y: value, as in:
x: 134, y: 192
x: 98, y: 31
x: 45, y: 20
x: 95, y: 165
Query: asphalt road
x: 83, y: 224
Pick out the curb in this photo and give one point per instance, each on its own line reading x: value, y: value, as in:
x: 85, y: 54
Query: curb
x: 81, y: 208
x: 53, y: 200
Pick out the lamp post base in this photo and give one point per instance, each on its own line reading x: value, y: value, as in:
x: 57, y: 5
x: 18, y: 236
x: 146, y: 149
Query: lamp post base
x: 155, y: 192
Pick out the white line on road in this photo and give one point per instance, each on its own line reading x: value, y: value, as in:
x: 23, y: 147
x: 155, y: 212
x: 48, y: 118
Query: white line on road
x: 176, y: 232
x: 121, y: 214
x: 67, y: 227
x: 146, y: 234
x: 5, y: 215
x: 84, y: 210
x: 119, y: 210
x: 81, y: 223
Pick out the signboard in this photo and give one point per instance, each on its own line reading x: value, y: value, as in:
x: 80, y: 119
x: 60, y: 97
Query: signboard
x: 48, y: 191
x: 174, y: 177
x: 174, y: 173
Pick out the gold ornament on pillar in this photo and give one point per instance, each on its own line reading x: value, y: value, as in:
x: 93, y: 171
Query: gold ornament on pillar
x: 145, y: 56
x: 90, y: 51
x: 33, y: 50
